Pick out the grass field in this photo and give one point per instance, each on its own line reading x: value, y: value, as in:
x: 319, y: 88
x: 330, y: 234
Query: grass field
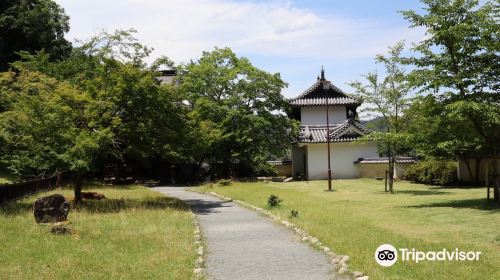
x: 133, y: 234
x: 6, y: 178
x: 358, y: 217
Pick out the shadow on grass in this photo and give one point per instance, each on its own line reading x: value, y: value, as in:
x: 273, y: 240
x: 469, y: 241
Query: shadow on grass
x: 98, y: 186
x: 458, y: 187
x: 116, y: 205
x: 418, y: 192
x: 103, y: 206
x: 479, y: 204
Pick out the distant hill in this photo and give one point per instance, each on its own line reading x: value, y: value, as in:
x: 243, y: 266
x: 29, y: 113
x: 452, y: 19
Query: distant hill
x: 376, y: 124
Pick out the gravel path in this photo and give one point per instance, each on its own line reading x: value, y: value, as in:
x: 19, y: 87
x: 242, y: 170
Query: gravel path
x: 241, y: 244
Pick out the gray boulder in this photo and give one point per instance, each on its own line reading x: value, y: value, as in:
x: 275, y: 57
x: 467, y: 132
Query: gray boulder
x: 51, y: 209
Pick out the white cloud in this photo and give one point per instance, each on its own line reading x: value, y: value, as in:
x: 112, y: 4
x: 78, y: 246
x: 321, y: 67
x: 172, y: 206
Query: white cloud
x: 182, y: 29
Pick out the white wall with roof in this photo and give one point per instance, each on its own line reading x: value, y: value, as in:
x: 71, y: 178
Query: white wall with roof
x: 342, y: 157
x: 316, y: 115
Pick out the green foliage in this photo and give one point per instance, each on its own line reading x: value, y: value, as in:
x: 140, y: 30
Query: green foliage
x: 32, y: 25
x: 224, y: 182
x: 376, y: 123
x: 141, y: 119
x: 226, y: 111
x: 274, y: 201
x: 387, y: 98
x: 440, y: 132
x: 433, y: 172
x: 460, y: 50
x: 294, y: 213
x: 47, y: 126
x: 458, y: 61
x: 236, y: 111
x: 262, y: 168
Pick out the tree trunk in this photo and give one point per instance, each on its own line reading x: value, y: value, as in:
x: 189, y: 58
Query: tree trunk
x: 467, y: 163
x: 478, y: 163
x: 391, y: 174
x: 391, y: 167
x: 496, y: 179
x: 77, y: 184
x: 197, y: 169
x: 59, y: 180
x: 385, y: 184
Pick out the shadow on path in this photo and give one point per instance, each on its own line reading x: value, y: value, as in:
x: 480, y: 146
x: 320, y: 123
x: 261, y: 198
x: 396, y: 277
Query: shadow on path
x: 203, y: 207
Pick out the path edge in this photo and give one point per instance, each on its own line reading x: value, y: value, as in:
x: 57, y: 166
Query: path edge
x: 338, y: 262
x: 199, y: 270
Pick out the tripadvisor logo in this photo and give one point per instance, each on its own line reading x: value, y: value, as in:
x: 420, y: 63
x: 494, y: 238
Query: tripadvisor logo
x: 387, y: 255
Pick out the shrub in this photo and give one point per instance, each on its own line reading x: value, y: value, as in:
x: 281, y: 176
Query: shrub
x: 265, y: 169
x: 224, y: 182
x: 274, y: 201
x: 433, y: 172
x: 294, y: 213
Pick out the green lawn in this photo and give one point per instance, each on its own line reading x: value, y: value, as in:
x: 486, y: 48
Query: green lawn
x: 6, y: 178
x: 358, y: 217
x: 134, y: 234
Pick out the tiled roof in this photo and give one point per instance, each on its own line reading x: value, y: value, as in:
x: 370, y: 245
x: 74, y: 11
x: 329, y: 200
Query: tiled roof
x: 322, y: 101
x: 385, y: 160
x: 317, y: 133
x: 315, y: 95
x: 346, y: 124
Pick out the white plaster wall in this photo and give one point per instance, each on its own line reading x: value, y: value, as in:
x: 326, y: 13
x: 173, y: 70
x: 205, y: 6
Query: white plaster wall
x: 342, y: 157
x: 315, y: 115
x: 373, y: 170
x: 485, y: 166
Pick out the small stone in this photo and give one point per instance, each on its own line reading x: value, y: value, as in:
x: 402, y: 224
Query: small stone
x: 61, y: 229
x: 357, y: 274
x: 326, y: 249
x: 346, y: 259
x: 363, y: 278
x: 198, y: 271
x: 199, y: 261
x: 200, y: 251
x: 335, y: 260
x: 314, y: 240
x: 63, y: 223
x: 305, y: 238
x: 343, y: 270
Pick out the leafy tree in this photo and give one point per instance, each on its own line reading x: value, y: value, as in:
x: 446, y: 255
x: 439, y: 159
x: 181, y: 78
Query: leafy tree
x: 32, y: 25
x: 140, y: 118
x: 236, y: 110
x: 438, y: 134
x: 48, y: 127
x: 458, y: 61
x: 387, y: 98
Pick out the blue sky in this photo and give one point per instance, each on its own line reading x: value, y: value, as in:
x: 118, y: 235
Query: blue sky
x: 294, y: 38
